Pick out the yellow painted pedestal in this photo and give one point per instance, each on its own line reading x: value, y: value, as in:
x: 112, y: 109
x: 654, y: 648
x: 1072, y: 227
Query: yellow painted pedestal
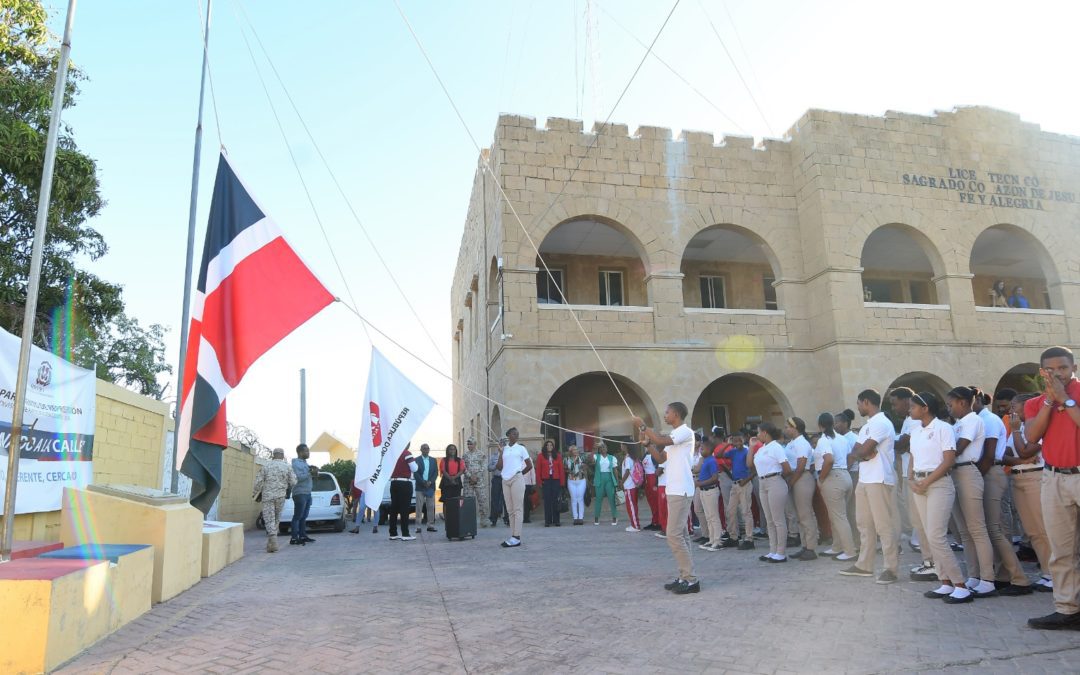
x: 132, y: 515
x: 131, y: 580
x: 222, y: 545
x: 50, y: 610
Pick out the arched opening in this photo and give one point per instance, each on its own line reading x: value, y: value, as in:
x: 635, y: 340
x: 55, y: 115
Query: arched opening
x: 593, y: 261
x: 588, y: 404
x: 921, y: 381
x: 738, y: 400
x: 899, y: 265
x: 1012, y: 269
x: 1023, y: 379
x: 728, y: 267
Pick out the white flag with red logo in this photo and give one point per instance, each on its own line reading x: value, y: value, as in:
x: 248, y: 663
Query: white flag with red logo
x: 393, y: 410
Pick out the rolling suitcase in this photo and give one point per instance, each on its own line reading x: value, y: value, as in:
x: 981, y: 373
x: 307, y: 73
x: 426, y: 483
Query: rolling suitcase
x: 460, y: 516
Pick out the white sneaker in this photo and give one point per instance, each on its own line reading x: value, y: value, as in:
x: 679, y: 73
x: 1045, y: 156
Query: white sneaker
x: 614, y: 523
x: 1043, y: 581
x: 395, y: 537
x: 843, y: 557
x: 659, y: 535
x: 408, y: 538
x: 632, y: 529
x: 829, y: 552
x: 709, y: 547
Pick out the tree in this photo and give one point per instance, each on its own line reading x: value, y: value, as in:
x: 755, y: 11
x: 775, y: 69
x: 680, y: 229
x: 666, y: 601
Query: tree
x: 79, y: 315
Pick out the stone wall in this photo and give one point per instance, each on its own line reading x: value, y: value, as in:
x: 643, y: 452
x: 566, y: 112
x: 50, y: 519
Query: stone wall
x: 810, y: 201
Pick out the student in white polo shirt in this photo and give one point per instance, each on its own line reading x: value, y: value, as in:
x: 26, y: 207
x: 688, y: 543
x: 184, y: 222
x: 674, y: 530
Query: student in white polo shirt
x: 513, y: 463
x: 677, y: 449
x: 772, y: 466
x: 968, y: 513
x: 1009, y: 577
x: 874, y: 500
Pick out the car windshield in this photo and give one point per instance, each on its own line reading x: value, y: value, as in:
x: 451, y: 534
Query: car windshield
x: 324, y: 483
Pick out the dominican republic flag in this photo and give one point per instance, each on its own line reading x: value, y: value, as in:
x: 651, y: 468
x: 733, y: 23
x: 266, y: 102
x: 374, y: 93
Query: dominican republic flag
x: 253, y: 290
x: 394, y: 407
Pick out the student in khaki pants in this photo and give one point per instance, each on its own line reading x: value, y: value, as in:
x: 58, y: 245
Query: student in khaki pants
x: 513, y: 463
x: 834, y: 481
x: 1027, y: 471
x: 969, y: 514
x: 1054, y: 419
x: 874, y: 500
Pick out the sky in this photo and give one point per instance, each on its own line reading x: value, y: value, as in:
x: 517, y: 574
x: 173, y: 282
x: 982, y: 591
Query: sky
x: 406, y: 163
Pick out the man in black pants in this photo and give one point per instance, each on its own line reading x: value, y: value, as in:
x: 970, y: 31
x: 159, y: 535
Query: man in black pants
x: 401, y: 492
x: 497, y: 504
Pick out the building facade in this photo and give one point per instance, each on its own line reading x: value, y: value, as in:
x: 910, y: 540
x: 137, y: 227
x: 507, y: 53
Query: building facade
x: 757, y: 282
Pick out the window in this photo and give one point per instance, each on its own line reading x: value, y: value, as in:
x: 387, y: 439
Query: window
x: 611, y: 288
x: 324, y: 482
x: 719, y: 415
x: 549, y: 288
x: 770, y: 292
x: 921, y: 292
x: 713, y: 295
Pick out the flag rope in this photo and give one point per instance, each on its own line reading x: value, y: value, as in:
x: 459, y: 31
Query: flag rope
x: 469, y: 389
x: 509, y: 202
x: 337, y: 184
x: 296, y: 165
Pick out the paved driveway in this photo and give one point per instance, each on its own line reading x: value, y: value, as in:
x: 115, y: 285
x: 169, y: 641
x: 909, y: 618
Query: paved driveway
x: 572, y: 599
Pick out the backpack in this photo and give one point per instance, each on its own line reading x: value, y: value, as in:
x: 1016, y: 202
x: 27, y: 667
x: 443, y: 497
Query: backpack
x: 637, y: 474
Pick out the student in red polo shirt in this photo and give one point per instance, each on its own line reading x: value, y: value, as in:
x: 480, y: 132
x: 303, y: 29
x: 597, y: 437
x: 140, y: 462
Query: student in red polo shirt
x: 1054, y: 418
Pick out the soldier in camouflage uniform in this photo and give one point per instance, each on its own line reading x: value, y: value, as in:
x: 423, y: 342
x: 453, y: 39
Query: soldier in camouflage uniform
x: 476, y: 479
x: 274, y: 480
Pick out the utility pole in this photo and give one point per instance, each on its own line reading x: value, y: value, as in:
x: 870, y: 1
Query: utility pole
x: 303, y: 406
x: 7, y: 540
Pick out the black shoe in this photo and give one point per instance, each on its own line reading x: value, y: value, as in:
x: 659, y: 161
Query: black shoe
x: 547, y: 524
x: 294, y: 542
x: 1056, y: 621
x: 777, y: 560
x: 1026, y: 554
x: 951, y: 600
x: 988, y: 594
x: 934, y: 595
x: 1013, y: 591
x: 307, y: 539
x: 728, y: 543
x: 805, y: 555
x: 672, y: 585
x: 432, y: 529
x: 375, y: 530
x: 746, y: 545
x: 764, y: 558
x: 557, y: 524
x: 760, y: 535
x: 956, y: 547
x: 527, y: 520
x: 355, y: 530
x: 1001, y: 584
x: 684, y: 587
x: 701, y: 540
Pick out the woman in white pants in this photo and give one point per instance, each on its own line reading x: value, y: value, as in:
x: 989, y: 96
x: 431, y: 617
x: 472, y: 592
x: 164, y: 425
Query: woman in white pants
x: 933, y: 455
x: 772, y: 466
x: 576, y: 482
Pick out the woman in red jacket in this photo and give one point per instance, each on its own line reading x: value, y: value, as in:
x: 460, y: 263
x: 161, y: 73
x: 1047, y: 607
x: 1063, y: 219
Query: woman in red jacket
x: 552, y: 477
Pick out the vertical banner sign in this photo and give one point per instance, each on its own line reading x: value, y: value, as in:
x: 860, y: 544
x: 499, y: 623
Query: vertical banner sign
x: 58, y: 426
x: 394, y: 407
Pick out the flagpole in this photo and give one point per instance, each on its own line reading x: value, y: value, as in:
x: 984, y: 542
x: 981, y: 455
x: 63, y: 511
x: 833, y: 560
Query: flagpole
x: 7, y: 540
x: 190, y: 260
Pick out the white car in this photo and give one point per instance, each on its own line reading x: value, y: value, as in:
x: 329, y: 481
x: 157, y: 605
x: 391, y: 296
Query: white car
x: 327, y: 505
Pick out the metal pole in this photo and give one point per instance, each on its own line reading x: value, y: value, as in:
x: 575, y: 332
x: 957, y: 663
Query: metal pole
x: 33, y: 286
x: 303, y: 406
x: 190, y: 260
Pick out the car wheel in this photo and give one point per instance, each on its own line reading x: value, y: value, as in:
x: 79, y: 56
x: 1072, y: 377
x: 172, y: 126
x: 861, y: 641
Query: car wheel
x: 339, y: 524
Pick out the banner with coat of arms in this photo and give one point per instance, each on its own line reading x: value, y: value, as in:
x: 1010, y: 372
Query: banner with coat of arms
x: 57, y: 446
